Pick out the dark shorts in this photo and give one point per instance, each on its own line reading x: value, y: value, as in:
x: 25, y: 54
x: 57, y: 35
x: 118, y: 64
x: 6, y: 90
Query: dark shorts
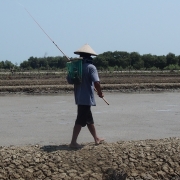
x: 84, y: 115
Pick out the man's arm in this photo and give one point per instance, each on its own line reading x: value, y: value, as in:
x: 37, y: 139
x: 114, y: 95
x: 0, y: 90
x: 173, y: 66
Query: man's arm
x: 98, y: 89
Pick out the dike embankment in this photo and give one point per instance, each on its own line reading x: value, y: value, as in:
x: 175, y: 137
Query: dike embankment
x: 130, y: 160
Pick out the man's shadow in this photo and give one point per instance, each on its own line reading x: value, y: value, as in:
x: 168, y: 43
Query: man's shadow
x: 52, y: 148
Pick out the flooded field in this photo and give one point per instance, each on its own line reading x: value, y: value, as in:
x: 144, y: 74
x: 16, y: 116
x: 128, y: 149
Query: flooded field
x: 49, y: 119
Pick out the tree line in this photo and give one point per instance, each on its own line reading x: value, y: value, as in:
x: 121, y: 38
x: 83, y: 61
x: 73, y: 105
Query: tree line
x: 122, y: 60
x: 117, y: 60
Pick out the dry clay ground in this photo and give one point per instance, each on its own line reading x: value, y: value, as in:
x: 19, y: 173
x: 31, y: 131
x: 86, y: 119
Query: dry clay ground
x: 54, y: 82
x: 130, y: 160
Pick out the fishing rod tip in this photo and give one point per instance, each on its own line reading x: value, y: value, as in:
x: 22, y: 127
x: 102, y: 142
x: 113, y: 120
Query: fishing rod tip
x: 19, y: 3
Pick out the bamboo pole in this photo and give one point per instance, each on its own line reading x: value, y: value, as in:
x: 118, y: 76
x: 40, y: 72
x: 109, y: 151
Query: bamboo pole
x: 103, y: 98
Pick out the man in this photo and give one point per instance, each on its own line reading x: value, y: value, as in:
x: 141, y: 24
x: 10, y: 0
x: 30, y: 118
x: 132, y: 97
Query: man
x: 84, y: 95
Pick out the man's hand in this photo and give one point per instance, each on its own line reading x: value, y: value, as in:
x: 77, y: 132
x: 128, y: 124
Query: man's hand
x: 101, y: 95
x: 98, y: 89
x: 99, y: 92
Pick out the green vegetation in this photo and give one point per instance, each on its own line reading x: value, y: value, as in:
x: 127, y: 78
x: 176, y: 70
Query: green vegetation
x: 6, y: 65
x: 111, y: 61
x: 120, y: 60
x: 45, y: 63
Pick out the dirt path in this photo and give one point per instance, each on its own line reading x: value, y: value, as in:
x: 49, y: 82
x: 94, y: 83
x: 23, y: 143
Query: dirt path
x: 146, y: 160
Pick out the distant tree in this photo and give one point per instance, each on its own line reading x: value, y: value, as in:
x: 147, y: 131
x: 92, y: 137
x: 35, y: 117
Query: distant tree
x: 8, y: 64
x: 171, y: 59
x: 160, y: 62
x: 34, y: 63
x: 122, y: 59
x: 149, y: 60
x: 100, y: 62
x: 107, y: 59
x: 1, y: 64
x: 53, y: 62
x: 25, y: 65
x: 136, y: 61
x: 42, y: 62
x: 178, y: 59
x: 61, y: 62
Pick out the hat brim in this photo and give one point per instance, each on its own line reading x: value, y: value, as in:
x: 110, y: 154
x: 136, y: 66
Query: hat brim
x: 79, y: 53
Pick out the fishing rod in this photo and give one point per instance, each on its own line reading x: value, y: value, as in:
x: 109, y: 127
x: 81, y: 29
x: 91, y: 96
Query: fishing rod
x: 52, y: 40
x: 44, y: 31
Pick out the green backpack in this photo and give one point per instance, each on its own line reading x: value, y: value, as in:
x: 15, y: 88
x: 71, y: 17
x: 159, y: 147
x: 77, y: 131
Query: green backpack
x: 74, y: 69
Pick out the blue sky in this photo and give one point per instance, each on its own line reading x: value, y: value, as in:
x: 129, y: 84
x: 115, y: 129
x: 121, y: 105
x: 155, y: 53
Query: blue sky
x: 144, y: 26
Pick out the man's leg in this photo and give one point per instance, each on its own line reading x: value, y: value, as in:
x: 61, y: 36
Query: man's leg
x: 92, y: 130
x: 76, y: 131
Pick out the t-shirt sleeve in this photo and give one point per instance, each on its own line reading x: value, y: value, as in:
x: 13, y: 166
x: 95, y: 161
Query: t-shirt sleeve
x: 93, y: 73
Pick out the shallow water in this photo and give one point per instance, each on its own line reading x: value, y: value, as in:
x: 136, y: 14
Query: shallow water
x: 49, y: 119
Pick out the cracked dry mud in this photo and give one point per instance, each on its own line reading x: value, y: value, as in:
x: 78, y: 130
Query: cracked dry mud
x: 143, y: 159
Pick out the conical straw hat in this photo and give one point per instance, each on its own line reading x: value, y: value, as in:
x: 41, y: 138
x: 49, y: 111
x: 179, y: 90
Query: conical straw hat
x: 86, y: 49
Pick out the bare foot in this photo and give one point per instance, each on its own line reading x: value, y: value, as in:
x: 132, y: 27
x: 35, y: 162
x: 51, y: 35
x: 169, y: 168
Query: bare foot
x: 99, y: 141
x: 75, y: 145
